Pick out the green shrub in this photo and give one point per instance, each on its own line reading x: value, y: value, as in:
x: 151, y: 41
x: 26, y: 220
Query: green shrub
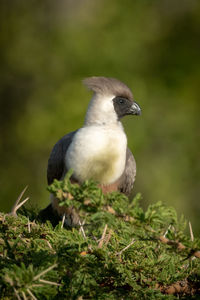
x: 119, y: 252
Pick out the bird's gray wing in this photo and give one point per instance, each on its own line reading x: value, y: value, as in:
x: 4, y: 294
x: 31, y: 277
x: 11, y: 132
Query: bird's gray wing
x: 56, y: 165
x: 128, y: 177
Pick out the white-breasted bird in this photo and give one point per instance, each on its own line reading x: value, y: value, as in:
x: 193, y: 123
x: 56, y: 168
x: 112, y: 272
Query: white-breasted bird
x: 98, y: 150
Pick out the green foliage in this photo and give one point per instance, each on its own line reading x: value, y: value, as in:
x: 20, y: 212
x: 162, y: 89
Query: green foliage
x: 80, y: 194
x: 116, y: 254
x: 48, y: 47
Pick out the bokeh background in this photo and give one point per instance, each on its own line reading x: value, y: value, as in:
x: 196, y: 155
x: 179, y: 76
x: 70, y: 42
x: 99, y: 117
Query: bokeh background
x: 48, y: 47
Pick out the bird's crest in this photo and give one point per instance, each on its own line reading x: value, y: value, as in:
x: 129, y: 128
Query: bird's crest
x: 108, y: 86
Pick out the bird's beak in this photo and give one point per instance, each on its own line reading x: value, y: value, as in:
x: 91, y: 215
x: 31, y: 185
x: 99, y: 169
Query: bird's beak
x: 135, y: 109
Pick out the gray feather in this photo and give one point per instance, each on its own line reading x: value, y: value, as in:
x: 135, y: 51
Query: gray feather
x: 56, y: 166
x: 127, y: 179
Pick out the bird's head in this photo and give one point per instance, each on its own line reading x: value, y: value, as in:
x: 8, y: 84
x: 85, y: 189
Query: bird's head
x: 112, y: 100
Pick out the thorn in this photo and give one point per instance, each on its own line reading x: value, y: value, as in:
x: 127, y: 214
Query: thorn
x: 21, y: 203
x: 17, y: 294
x: 63, y: 221
x: 48, y: 243
x: 29, y: 226
x: 191, y: 232
x: 120, y: 252
x: 13, y: 210
x: 108, y: 237
x: 49, y: 282
x: 37, y: 285
x: 44, y: 272
x: 102, y: 237
x: 82, y: 229
x: 166, y: 232
x: 24, y: 296
x: 31, y: 294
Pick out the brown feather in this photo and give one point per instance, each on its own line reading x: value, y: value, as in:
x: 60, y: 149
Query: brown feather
x: 108, y: 86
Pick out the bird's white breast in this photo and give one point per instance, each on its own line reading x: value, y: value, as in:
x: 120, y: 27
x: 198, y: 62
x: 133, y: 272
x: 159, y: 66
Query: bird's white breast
x: 97, y: 152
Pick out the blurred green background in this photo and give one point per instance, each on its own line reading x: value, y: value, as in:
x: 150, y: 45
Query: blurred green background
x: 48, y: 47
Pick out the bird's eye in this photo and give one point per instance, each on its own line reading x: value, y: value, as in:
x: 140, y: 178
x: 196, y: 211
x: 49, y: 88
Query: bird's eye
x: 121, y: 100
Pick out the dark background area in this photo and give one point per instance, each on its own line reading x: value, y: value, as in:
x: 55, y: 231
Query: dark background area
x: 48, y: 47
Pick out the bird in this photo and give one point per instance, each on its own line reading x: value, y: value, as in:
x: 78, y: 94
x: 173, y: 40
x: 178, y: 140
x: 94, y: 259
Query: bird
x: 98, y: 150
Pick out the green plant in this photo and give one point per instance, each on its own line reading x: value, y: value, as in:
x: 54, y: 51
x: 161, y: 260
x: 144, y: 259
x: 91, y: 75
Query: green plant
x: 119, y: 251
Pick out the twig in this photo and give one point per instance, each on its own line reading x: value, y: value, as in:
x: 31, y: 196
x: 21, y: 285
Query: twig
x: 31, y: 294
x: 178, y: 287
x: 63, y: 221
x: 132, y: 242
x: 102, y: 237
x: 191, y: 232
x: 165, y: 240
x: 49, y: 282
x: 81, y: 228
x: 44, y: 272
x: 14, y: 209
x: 197, y: 254
x: 179, y: 246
